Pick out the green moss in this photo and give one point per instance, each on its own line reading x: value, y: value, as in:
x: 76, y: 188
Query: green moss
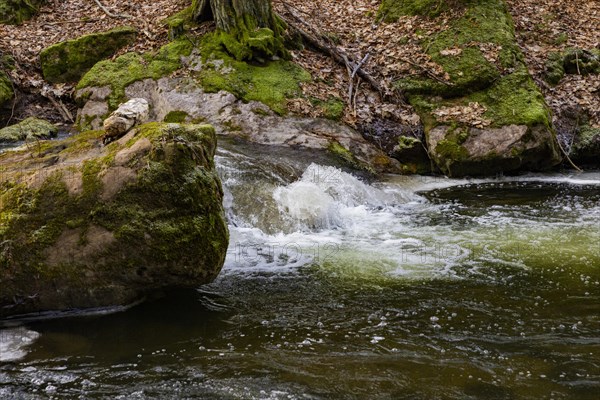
x: 168, y: 221
x: 571, y: 61
x: 29, y: 129
x: 391, y: 10
x: 513, y: 99
x: 561, y: 38
x: 179, y: 23
x: 272, y: 83
x: 132, y: 67
x: 451, y: 150
x: 15, y: 12
x: 176, y: 116
x: 6, y: 90
x: 332, y: 108
x: 68, y: 61
x: 504, y: 87
x: 487, y: 22
x: 407, y: 142
x: 555, y: 70
x: 246, y: 40
x: 587, y: 146
x: 346, y: 156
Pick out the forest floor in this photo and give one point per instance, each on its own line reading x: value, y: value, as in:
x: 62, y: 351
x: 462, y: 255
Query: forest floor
x: 351, y: 25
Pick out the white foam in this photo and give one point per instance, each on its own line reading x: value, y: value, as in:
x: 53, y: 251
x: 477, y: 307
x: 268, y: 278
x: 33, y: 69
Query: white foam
x: 14, y: 343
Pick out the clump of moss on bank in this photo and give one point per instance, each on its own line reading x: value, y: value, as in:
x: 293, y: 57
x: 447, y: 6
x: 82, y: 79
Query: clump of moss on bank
x: 133, y: 67
x: 487, y: 23
x: 271, y: 83
x: 332, y: 108
x: 29, y: 129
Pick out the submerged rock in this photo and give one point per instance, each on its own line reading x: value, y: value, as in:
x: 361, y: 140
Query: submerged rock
x: 85, y: 225
x: 29, y: 129
x: 68, y: 61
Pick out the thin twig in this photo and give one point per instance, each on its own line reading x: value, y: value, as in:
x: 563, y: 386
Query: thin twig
x: 110, y: 14
x: 567, y: 157
x: 77, y: 21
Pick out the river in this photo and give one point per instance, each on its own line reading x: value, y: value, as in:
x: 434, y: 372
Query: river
x: 336, y: 286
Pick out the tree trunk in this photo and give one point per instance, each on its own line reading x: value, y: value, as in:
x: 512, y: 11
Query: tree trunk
x: 251, y: 29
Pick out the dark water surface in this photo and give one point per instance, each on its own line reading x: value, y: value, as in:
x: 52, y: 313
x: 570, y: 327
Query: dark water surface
x: 410, y: 288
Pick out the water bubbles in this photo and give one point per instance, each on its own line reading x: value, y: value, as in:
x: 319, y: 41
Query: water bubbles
x: 377, y: 339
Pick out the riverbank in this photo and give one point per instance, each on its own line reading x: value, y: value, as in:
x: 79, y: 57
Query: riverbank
x: 455, y: 93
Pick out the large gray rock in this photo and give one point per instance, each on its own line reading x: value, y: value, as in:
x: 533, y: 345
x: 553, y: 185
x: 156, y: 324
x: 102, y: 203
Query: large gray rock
x: 252, y: 121
x: 85, y: 225
x: 489, y: 151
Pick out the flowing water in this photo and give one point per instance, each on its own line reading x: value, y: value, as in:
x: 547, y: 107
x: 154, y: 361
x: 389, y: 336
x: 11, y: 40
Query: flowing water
x: 339, y: 287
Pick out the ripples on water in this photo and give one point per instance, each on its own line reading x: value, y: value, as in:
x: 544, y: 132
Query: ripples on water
x: 334, y: 287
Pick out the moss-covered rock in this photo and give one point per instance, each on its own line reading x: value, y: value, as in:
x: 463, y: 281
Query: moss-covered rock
x: 391, y: 10
x: 132, y: 67
x: 586, y: 147
x: 29, y: 129
x: 411, y: 152
x: 571, y: 61
x: 6, y: 90
x: 68, y: 61
x: 82, y: 225
x: 14, y: 12
x: 489, y: 96
x: 179, y: 23
x: 271, y: 83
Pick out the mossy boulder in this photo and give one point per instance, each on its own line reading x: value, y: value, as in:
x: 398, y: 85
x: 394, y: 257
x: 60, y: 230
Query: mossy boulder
x: 14, y: 12
x: 6, y: 90
x: 488, y: 117
x: 29, y: 129
x: 179, y: 23
x: 102, y: 88
x: 571, y: 61
x: 391, y: 10
x: 586, y: 147
x: 85, y: 225
x: 68, y: 61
